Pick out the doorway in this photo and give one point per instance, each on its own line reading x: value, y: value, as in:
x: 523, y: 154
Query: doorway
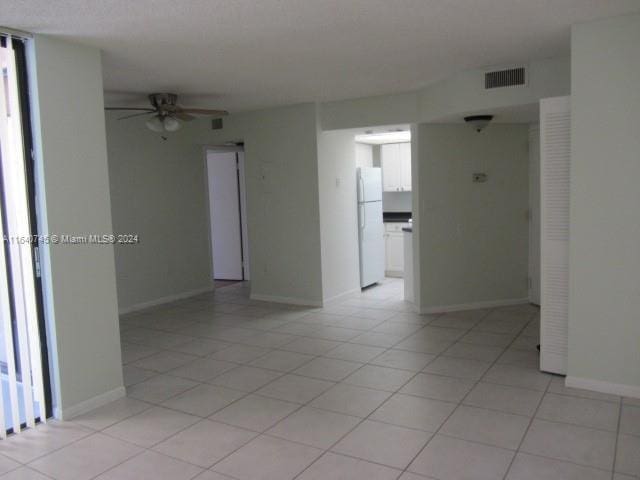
x: 227, y: 210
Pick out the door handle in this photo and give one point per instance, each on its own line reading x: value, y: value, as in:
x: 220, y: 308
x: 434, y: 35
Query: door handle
x: 361, y: 187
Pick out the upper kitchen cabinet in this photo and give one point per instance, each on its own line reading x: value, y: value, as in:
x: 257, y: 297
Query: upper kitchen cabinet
x: 395, y: 159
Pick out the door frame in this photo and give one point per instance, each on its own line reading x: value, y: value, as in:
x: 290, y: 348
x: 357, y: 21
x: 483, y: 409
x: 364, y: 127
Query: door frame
x: 242, y: 203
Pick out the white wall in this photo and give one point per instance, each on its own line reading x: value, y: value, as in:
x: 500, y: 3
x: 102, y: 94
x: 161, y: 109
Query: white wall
x: 604, y: 293
x: 457, y: 95
x: 338, y: 213
x: 158, y: 191
x: 73, y: 189
x: 473, y: 236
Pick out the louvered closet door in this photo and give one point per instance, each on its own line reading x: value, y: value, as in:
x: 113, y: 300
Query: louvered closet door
x: 555, y: 157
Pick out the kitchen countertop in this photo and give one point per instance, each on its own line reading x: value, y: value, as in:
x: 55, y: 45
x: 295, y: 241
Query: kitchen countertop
x: 396, y: 217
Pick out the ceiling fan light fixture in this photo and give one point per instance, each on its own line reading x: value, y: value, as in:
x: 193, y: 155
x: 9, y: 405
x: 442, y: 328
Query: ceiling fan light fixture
x: 478, y: 122
x: 155, y: 124
x: 172, y: 124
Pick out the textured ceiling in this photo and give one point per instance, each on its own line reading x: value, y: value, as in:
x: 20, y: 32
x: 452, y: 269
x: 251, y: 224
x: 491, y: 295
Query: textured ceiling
x: 243, y: 54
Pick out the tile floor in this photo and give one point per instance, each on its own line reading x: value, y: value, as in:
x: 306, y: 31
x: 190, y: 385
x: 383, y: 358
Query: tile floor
x: 221, y: 387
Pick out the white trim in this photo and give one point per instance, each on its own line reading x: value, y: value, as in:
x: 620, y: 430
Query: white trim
x: 162, y: 300
x: 288, y: 300
x: 475, y: 305
x: 620, y: 389
x: 90, y: 404
x: 340, y: 296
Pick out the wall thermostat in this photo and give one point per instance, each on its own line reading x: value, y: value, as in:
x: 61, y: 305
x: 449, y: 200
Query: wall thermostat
x: 479, y: 177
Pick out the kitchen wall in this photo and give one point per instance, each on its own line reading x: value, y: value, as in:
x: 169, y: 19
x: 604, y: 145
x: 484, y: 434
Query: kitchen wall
x: 81, y: 306
x: 158, y: 191
x: 338, y: 213
x: 604, y: 297
x: 473, y: 236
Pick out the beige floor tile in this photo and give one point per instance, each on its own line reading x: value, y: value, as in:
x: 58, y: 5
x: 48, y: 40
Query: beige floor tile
x: 383, y: 443
x: 350, y: 400
x: 470, y: 351
x: 164, y: 361
x: 240, y: 353
x: 414, y: 412
x: 133, y: 375
x: 521, y: 401
x: 268, y: 458
x: 457, y: 367
x: 24, y: 473
x: 281, y: 361
x: 245, y: 378
x: 203, y: 400
x: 151, y: 466
x: 205, y: 443
x: 517, y: 377
x: 294, y: 388
x: 314, y: 427
x: 255, y: 412
x: 379, y: 378
x: 86, y: 458
x: 448, y: 389
x: 579, y: 411
x: 332, y: 466
x: 151, y: 426
x: 490, y: 427
x: 112, y: 413
x: 530, y: 467
x: 159, y: 388
x: 628, y: 455
x: 325, y: 368
x: 354, y: 353
x: 630, y: 420
x: 557, y: 386
x: 584, y: 446
x: 201, y: 347
x: 36, y: 442
x: 455, y: 459
x: 403, y: 359
x: 378, y: 339
x: 203, y: 369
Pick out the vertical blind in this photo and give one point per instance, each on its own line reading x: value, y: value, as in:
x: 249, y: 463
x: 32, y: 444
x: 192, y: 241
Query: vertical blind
x: 22, y: 402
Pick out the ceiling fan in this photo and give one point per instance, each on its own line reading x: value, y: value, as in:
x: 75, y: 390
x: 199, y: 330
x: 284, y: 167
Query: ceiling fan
x: 167, y: 115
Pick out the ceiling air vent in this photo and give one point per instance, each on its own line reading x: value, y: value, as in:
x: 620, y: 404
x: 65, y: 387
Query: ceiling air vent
x: 505, y: 78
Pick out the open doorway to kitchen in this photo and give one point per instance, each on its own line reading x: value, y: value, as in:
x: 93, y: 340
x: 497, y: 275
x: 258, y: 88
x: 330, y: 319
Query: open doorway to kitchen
x: 227, y: 209
x: 25, y: 396
x: 384, y: 155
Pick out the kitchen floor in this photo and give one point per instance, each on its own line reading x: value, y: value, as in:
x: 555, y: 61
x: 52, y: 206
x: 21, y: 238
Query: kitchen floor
x: 221, y: 387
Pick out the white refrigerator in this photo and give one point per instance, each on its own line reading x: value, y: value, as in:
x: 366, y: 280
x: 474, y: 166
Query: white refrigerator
x: 370, y: 225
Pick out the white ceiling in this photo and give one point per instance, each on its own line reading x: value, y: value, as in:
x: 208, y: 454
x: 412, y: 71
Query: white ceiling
x: 244, y: 54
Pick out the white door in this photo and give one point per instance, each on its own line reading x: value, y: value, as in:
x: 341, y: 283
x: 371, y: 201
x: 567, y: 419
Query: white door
x: 405, y: 167
x: 555, y: 162
x: 225, y: 208
x: 534, y: 214
x: 371, y: 243
x: 390, y: 162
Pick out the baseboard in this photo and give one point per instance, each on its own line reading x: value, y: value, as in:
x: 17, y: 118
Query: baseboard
x: 288, y: 300
x: 69, y: 413
x: 340, y: 296
x: 475, y: 305
x: 162, y: 300
x: 619, y: 389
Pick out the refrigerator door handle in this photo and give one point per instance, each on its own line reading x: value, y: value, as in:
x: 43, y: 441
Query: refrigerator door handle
x: 361, y: 187
x: 362, y: 216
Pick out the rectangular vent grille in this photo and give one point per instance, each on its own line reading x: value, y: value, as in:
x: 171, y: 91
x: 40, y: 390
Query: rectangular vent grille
x: 505, y: 78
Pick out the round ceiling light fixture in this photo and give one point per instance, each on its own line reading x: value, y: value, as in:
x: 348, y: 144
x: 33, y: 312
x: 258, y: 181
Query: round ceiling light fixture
x: 478, y: 122
x: 163, y: 123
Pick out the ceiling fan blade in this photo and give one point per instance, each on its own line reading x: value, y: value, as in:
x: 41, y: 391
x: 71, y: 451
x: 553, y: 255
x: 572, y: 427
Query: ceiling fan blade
x: 136, y: 115
x: 204, y: 111
x: 185, y: 117
x: 146, y: 109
